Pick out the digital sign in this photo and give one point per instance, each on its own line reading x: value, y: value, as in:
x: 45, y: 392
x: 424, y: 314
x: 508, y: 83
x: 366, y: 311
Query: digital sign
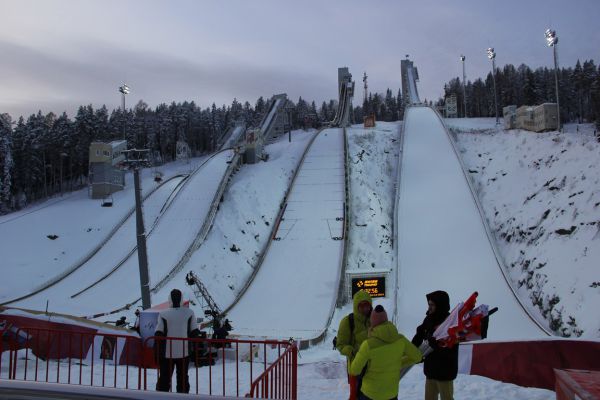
x: 374, y: 285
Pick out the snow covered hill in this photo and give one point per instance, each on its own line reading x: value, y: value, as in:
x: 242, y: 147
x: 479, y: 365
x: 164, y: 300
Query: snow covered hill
x: 541, y: 195
x: 47, y: 239
x: 373, y: 160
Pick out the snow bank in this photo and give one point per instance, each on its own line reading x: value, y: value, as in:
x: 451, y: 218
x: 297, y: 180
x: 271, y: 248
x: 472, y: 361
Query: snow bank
x: 541, y: 195
x: 373, y: 160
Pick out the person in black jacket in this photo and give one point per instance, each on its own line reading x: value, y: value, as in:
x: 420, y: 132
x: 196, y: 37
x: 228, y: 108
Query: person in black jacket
x: 441, y: 365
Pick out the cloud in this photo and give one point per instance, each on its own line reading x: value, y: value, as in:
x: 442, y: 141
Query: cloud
x: 34, y: 79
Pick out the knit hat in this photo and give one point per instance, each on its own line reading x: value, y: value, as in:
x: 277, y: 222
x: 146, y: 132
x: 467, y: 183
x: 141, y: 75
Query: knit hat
x: 378, y: 316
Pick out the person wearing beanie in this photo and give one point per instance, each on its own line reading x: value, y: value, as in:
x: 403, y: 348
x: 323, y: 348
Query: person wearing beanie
x: 175, y: 322
x: 352, y: 332
x: 441, y: 365
x: 381, y: 357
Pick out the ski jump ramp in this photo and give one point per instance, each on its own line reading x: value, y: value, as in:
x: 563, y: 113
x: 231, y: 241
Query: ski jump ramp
x: 443, y: 244
x: 169, y: 242
x: 294, y: 291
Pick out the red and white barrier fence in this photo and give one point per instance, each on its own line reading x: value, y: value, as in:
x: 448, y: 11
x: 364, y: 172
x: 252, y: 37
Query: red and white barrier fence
x: 217, y: 367
x: 528, y: 363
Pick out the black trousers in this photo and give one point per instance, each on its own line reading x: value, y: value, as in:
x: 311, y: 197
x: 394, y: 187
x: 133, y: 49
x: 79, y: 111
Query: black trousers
x: 167, y: 365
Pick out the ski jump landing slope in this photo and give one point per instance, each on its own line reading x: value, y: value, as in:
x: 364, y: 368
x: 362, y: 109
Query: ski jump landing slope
x: 295, y: 289
x: 166, y: 245
x: 442, y: 240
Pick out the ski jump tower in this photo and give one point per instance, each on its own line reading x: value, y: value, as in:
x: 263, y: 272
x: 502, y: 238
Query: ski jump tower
x: 410, y: 77
x: 346, y: 92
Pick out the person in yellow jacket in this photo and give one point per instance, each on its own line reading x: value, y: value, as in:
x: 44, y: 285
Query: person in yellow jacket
x: 353, y: 331
x: 383, y: 354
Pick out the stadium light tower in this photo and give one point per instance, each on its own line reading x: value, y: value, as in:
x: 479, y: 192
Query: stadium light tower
x: 462, y: 58
x: 124, y: 90
x: 552, y: 41
x: 491, y: 54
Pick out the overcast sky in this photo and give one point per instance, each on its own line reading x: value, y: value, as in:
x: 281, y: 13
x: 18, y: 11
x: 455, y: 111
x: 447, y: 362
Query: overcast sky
x: 58, y: 54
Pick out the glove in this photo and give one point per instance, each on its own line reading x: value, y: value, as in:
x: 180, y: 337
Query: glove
x: 432, y: 342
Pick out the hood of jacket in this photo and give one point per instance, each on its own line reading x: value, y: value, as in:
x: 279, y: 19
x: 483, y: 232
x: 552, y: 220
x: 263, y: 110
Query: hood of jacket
x: 385, y: 332
x: 441, y: 300
x: 358, y: 298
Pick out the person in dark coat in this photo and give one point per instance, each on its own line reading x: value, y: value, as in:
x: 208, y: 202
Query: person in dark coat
x: 441, y: 365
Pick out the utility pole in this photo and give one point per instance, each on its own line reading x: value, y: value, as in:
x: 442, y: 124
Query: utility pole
x: 136, y: 159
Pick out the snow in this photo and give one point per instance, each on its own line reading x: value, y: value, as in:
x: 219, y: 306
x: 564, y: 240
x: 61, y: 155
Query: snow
x: 442, y: 241
x: 185, y: 217
x: 80, y: 223
x: 412, y: 87
x: 243, y: 223
x: 294, y: 291
x: 531, y: 186
x: 234, y: 137
x: 267, y: 122
x: 373, y: 160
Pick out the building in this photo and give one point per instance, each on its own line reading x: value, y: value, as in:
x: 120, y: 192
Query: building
x: 510, y: 117
x: 105, y: 174
x: 537, y: 118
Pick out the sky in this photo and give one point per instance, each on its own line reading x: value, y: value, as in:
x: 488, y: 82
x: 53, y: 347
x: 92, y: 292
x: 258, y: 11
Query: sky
x: 58, y: 54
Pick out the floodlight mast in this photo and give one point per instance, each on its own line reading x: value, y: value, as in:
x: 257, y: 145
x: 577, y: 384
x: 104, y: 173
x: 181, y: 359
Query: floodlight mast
x: 462, y: 58
x: 124, y: 90
x: 491, y: 54
x: 552, y: 41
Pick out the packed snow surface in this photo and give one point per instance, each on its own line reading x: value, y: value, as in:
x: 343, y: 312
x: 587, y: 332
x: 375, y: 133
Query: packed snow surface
x: 295, y: 289
x: 442, y: 240
x: 77, y: 224
x: 173, y: 235
x: 243, y: 225
x: 541, y: 196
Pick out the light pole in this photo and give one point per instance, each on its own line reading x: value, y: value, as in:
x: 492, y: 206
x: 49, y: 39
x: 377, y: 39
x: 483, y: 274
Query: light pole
x: 136, y: 159
x: 462, y: 58
x: 492, y: 56
x: 124, y: 90
x: 552, y: 41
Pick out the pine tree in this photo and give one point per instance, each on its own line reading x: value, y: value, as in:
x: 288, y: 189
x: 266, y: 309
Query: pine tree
x: 6, y: 163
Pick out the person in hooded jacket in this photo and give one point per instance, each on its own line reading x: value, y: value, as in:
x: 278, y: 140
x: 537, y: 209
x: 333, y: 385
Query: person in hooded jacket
x: 353, y: 331
x: 441, y: 365
x: 175, y: 322
x: 383, y: 354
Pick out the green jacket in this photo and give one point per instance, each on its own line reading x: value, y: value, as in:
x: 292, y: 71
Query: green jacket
x: 384, y: 353
x: 349, y: 343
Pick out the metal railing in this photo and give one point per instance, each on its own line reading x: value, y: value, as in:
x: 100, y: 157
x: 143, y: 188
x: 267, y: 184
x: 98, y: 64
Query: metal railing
x: 106, y: 360
x: 60, y: 357
x: 280, y: 380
